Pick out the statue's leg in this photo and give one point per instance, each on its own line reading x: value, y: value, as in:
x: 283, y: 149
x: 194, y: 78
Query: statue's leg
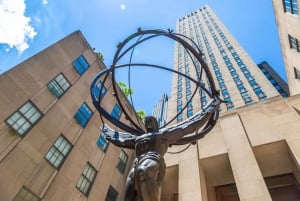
x: 146, y: 174
x: 130, y: 192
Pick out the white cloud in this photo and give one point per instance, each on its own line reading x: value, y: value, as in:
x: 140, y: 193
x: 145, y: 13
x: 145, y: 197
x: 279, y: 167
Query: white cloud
x: 15, y: 30
x: 44, y: 2
x: 122, y: 6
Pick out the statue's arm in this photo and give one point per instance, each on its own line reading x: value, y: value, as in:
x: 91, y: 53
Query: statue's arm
x: 196, y: 122
x: 120, y: 139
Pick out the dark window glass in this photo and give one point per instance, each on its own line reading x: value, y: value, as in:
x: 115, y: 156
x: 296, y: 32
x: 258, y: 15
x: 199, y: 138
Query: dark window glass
x: 111, y: 195
x: 122, y: 161
x: 96, y: 90
x: 291, y: 6
x: 24, y: 118
x: 102, y: 142
x: 294, y: 43
x: 297, y: 73
x: 116, y: 112
x: 83, y: 115
x: 80, y: 65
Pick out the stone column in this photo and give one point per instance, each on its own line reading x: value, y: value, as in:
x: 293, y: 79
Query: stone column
x: 189, y: 176
x: 249, y: 180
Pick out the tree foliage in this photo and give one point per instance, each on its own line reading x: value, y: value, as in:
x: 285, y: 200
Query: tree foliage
x: 127, y: 92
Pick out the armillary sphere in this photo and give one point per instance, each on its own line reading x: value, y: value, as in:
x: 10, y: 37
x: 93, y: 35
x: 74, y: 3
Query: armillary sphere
x: 203, y: 82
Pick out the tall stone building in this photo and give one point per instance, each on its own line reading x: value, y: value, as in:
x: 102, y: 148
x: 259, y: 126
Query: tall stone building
x: 279, y: 84
x: 253, y: 151
x: 51, y: 147
x: 160, y: 110
x: 288, y: 23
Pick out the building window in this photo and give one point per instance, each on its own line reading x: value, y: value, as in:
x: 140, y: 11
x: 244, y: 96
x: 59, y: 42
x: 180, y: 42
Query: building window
x: 86, y: 179
x: 290, y: 6
x: 83, y: 115
x: 111, y: 195
x: 80, y: 65
x: 297, y: 73
x: 59, y: 151
x: 58, y: 85
x: 25, y: 195
x: 102, y: 142
x: 116, y: 112
x: 24, y: 118
x: 122, y: 161
x: 99, y: 88
x: 294, y: 43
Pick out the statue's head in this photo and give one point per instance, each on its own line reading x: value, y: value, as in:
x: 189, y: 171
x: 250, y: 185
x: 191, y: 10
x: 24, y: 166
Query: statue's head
x: 151, y: 124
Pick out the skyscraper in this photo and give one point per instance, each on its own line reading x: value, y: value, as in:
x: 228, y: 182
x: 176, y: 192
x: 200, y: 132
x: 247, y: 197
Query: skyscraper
x: 279, y: 84
x: 160, y: 110
x: 288, y: 23
x: 236, y: 75
x: 249, y: 155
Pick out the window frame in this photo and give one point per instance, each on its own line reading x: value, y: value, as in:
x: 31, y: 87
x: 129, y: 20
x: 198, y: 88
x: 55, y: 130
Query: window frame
x: 116, y: 114
x: 80, y: 64
x: 56, y: 92
x: 294, y: 9
x: 84, y: 178
x: 60, y: 152
x: 112, y: 194
x: 102, y: 143
x: 121, y: 165
x: 297, y: 73
x: 294, y: 43
x: 99, y: 88
x: 22, y: 115
x: 79, y: 114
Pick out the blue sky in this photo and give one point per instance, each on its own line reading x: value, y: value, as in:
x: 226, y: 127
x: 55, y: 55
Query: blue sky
x: 27, y: 27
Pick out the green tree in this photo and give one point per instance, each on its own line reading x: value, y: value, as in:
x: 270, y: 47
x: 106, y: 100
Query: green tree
x: 141, y: 114
x: 129, y: 91
x: 126, y: 90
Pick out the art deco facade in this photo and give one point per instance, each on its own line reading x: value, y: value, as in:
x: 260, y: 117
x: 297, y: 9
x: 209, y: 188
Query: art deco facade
x: 275, y: 79
x: 253, y: 151
x: 288, y: 23
x: 51, y: 147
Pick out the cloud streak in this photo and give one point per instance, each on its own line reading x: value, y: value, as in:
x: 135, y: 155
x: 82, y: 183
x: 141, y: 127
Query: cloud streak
x: 15, y: 30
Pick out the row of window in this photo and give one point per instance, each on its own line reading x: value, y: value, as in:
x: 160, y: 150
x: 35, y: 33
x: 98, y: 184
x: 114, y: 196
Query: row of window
x: 222, y: 85
x: 26, y: 194
x: 25, y: 117
x: 256, y: 88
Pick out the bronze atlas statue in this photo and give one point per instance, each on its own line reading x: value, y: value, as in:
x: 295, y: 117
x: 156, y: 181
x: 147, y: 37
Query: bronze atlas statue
x: 149, y: 141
